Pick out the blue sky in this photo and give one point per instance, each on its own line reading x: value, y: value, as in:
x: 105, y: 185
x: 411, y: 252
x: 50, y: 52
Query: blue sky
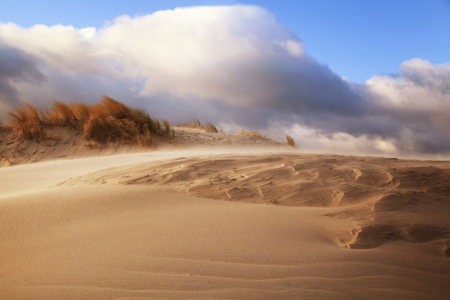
x: 356, y: 39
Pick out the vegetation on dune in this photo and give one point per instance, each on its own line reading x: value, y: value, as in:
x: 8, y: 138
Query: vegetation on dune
x: 253, y: 133
x: 290, y: 141
x: 26, y: 121
x: 197, y: 124
x: 107, y: 121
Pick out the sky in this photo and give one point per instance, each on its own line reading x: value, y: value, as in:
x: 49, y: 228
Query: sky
x: 362, y: 77
x: 357, y: 39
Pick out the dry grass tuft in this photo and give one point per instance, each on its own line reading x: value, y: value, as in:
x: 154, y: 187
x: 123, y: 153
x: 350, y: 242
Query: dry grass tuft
x: 26, y: 122
x: 81, y: 111
x: 197, y: 124
x: 64, y: 114
x: 211, y: 127
x: 253, y: 133
x: 290, y: 141
x: 107, y: 121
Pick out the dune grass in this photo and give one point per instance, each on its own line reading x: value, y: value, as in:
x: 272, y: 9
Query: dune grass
x: 290, y: 141
x: 197, y: 124
x: 107, y: 121
x: 26, y: 121
x: 253, y: 133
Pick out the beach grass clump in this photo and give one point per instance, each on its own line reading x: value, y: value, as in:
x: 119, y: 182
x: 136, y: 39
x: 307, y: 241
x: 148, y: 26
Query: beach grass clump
x: 211, y: 127
x: 290, y: 141
x: 197, y: 124
x: 107, y: 121
x: 253, y: 133
x: 26, y: 122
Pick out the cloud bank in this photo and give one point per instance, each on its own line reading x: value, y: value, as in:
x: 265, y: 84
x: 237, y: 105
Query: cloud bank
x: 15, y: 67
x: 235, y: 66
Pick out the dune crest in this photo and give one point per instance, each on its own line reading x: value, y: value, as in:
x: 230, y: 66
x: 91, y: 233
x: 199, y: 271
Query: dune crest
x: 60, y: 143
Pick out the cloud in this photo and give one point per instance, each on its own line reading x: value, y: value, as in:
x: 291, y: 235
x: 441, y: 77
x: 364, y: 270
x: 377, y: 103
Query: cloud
x: 60, y: 47
x: 236, y: 66
x: 239, y: 54
x: 417, y: 104
x: 15, y: 66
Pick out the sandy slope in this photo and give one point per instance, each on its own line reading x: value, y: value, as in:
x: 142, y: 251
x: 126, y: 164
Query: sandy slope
x: 386, y: 199
x: 65, y: 143
x: 258, y: 225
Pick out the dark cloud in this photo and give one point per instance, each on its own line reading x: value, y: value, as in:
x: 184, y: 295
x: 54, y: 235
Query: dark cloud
x: 300, y: 85
x: 16, y: 66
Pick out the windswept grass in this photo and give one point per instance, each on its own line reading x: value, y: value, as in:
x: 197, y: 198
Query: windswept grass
x: 196, y: 124
x: 26, y: 121
x: 107, y: 121
x: 290, y: 141
x: 253, y: 133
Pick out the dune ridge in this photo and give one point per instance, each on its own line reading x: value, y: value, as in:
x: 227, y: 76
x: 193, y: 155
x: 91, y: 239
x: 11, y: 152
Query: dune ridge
x: 381, y: 199
x: 77, y: 129
x: 64, y: 143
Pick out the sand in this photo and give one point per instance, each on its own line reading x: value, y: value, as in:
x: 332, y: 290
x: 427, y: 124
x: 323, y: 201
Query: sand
x: 225, y: 223
x: 62, y: 143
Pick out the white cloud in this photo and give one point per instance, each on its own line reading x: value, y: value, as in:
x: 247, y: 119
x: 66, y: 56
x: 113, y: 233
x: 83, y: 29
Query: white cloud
x: 418, y: 99
x: 205, y: 51
x: 385, y: 146
x: 294, y: 48
x: 210, y: 52
x: 60, y: 47
x: 420, y: 87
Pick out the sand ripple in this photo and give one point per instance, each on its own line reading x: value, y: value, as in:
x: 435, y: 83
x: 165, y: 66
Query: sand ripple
x: 385, y: 200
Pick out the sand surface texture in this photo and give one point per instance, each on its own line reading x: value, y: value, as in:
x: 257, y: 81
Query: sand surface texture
x: 254, y: 225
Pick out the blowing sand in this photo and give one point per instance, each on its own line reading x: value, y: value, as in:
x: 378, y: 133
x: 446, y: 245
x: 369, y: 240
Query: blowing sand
x: 64, y: 143
x: 253, y: 225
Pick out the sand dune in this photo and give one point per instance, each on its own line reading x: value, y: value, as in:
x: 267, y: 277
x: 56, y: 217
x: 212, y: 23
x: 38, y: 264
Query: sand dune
x: 255, y: 225
x: 64, y: 143
x: 402, y: 200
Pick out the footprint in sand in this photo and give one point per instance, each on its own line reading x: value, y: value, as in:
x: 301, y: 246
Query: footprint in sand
x: 336, y: 196
x: 193, y: 176
x: 315, y: 174
x: 355, y: 232
x: 357, y: 173
x: 291, y: 171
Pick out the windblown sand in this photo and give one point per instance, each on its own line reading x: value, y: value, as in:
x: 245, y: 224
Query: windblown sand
x: 66, y: 143
x: 253, y: 225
